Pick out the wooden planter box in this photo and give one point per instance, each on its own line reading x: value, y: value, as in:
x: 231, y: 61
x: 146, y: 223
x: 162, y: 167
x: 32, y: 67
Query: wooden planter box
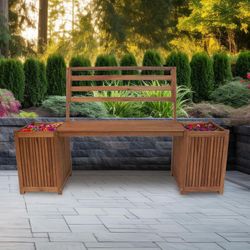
x: 199, y: 160
x: 43, y: 161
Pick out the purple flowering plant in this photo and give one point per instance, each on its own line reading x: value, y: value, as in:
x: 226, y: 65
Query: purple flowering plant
x: 9, y: 106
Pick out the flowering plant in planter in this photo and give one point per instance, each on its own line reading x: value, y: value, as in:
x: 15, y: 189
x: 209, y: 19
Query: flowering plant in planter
x: 208, y: 126
x: 9, y: 106
x: 41, y: 127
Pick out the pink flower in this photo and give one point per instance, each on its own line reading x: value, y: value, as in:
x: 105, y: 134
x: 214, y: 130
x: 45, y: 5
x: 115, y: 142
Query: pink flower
x: 248, y: 75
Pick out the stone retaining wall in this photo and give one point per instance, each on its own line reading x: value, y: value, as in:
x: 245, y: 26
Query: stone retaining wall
x: 131, y: 153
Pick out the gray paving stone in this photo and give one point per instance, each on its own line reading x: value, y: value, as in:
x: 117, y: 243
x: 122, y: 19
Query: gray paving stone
x: 189, y: 246
x: 42, y: 224
x: 17, y: 246
x: 123, y: 210
x: 59, y: 246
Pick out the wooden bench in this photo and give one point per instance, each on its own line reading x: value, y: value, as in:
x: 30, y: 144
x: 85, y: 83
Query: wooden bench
x: 134, y: 127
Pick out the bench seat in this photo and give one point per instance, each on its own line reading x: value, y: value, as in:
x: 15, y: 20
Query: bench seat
x: 121, y: 128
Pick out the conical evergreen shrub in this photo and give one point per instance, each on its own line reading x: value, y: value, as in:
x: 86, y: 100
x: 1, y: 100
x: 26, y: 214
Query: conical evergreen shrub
x: 243, y: 64
x: 201, y: 76
x: 222, y: 68
x: 56, y: 75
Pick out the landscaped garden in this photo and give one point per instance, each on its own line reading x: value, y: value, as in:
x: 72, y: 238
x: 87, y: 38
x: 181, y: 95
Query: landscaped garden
x: 207, y: 87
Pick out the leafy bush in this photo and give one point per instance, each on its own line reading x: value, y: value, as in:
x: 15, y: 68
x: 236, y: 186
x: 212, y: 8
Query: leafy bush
x: 234, y: 94
x: 201, y: 76
x: 1, y: 72
x: 33, y: 86
x: 43, y: 80
x: 222, y: 68
x: 56, y: 75
x: 129, y: 60
x: 105, y: 60
x: 57, y: 105
x: 9, y: 106
x: 243, y: 64
x: 24, y: 114
x: 80, y: 61
x: 13, y: 78
x: 165, y: 109
x: 181, y: 62
x: 152, y: 58
x: 120, y: 109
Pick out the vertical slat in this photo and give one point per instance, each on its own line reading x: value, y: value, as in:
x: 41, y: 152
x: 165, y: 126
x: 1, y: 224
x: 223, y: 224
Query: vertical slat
x: 173, y: 85
x: 68, y: 93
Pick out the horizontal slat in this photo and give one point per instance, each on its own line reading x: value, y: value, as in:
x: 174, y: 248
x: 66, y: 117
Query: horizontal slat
x: 121, y: 68
x: 121, y: 77
x: 121, y: 88
x: 121, y: 99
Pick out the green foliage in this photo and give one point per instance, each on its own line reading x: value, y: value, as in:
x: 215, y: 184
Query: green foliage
x: 181, y: 62
x: 56, y: 75
x: 222, y: 68
x: 24, y: 114
x: 13, y: 78
x: 165, y: 109
x: 234, y: 94
x: 129, y: 60
x: 57, y: 106
x: 43, y: 80
x: 152, y: 58
x: 201, y: 76
x: 105, y: 60
x: 34, y: 91
x: 81, y: 61
x: 243, y: 64
x: 1, y: 72
x: 120, y: 109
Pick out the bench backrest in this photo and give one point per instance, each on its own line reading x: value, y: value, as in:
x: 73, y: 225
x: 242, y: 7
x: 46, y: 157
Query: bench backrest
x: 169, y: 75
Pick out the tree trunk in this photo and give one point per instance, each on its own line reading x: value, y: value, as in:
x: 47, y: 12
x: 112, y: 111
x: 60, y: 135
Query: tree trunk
x: 42, y: 25
x: 4, y: 15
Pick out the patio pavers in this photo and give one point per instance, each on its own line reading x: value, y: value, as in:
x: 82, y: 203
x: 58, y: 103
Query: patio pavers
x: 124, y: 210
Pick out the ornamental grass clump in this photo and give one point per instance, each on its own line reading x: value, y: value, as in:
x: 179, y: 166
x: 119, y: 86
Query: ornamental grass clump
x: 9, y: 106
x: 165, y: 109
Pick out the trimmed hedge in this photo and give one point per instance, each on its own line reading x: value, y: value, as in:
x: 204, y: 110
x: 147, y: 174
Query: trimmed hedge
x: 1, y: 72
x: 201, y: 76
x: 32, y: 94
x: 152, y: 58
x: 13, y: 78
x: 105, y: 60
x: 129, y: 60
x: 242, y: 66
x: 43, y: 80
x: 81, y: 61
x: 181, y: 62
x: 222, y: 69
x: 56, y: 75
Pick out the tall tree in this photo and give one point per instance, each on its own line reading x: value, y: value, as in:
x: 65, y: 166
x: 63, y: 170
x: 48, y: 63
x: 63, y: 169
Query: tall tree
x: 42, y: 25
x: 4, y: 28
x: 19, y: 20
x: 217, y: 19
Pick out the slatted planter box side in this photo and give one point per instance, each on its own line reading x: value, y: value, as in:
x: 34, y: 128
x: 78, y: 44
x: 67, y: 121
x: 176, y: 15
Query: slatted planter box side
x: 200, y: 159
x: 43, y: 161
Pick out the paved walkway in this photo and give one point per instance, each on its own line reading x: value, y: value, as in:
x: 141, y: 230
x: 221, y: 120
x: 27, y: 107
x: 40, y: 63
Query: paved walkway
x: 124, y: 210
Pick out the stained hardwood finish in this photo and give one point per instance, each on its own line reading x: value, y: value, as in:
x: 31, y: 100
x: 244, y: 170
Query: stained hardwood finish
x: 169, y: 76
x: 120, y: 128
x: 202, y: 165
x: 43, y: 161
